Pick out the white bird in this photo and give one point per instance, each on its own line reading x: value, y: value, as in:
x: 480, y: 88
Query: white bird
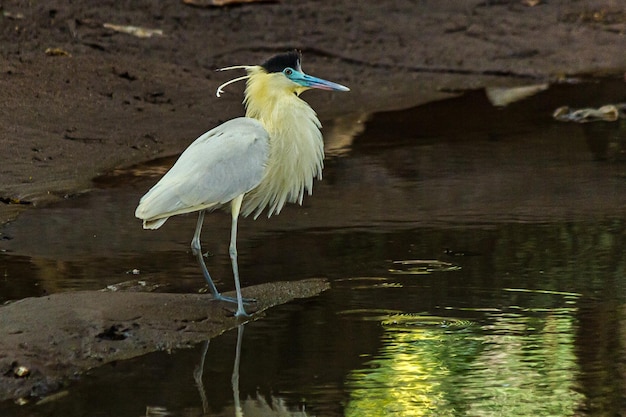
x: 248, y: 164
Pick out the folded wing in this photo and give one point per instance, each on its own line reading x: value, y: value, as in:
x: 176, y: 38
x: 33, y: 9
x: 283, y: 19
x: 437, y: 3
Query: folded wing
x: 217, y: 167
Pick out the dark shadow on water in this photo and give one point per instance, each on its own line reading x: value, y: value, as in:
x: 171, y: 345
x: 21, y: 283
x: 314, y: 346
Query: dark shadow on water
x: 476, y: 258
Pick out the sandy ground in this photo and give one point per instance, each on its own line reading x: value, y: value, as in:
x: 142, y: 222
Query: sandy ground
x: 79, y: 99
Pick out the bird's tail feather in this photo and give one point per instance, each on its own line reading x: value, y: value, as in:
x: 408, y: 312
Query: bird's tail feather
x: 154, y: 224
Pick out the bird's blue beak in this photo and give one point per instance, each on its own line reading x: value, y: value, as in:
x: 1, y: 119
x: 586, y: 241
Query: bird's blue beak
x: 309, y: 81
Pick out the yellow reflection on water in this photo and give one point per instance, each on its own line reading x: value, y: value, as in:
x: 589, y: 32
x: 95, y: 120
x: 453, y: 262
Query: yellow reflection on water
x: 511, y: 365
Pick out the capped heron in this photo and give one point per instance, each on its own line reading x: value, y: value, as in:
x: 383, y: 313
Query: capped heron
x: 248, y: 164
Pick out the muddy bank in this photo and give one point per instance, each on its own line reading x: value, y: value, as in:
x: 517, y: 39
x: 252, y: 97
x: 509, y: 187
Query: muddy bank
x: 101, y: 99
x: 48, y: 340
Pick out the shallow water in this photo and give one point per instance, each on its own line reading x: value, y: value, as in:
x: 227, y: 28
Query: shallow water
x: 476, y: 257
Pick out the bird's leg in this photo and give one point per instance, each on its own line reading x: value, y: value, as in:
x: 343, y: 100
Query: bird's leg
x: 235, y: 207
x: 197, y: 251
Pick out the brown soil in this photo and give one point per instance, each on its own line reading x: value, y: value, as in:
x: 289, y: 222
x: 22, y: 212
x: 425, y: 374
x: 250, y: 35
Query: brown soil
x: 101, y: 99
x: 79, y: 99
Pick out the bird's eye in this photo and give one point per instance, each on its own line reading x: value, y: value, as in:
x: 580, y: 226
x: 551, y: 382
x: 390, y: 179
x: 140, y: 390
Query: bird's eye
x: 288, y: 72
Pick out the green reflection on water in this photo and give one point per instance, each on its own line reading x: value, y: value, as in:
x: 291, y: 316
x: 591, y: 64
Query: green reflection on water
x: 528, y: 367
x: 516, y: 363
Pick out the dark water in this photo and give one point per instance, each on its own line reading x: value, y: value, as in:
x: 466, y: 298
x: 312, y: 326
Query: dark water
x: 476, y: 257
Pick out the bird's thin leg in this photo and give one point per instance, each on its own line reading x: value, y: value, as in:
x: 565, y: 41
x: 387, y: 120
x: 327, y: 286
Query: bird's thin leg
x: 197, y: 250
x: 235, y: 207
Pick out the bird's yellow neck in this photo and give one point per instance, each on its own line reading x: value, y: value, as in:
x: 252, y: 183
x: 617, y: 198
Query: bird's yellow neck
x: 266, y: 93
x: 296, y: 145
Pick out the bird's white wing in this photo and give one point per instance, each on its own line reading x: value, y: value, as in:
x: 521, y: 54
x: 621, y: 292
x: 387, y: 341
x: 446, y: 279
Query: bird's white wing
x: 218, y: 166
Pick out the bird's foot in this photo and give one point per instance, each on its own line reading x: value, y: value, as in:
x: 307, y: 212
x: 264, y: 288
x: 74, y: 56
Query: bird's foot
x: 221, y: 297
x: 241, y: 314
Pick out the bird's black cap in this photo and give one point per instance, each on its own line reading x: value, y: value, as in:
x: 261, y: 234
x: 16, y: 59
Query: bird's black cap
x: 279, y: 62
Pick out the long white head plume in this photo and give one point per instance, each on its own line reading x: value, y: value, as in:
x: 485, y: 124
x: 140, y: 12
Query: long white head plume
x: 220, y: 89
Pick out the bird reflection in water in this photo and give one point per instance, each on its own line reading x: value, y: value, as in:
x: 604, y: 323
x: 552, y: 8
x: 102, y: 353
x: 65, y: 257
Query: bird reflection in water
x: 250, y: 407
